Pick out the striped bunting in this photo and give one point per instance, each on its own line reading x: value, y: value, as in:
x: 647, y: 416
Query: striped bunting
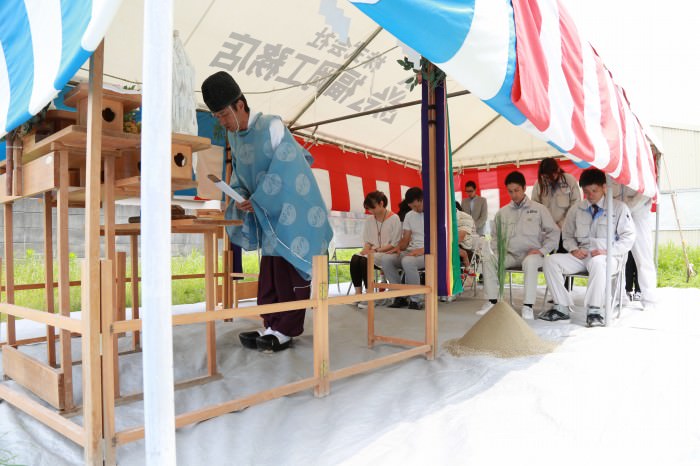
x: 43, y: 43
x: 527, y: 61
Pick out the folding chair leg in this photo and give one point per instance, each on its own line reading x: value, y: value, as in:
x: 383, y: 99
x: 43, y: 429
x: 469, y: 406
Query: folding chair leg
x: 544, y: 298
x: 510, y: 287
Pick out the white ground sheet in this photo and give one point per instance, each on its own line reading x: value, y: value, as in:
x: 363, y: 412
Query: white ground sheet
x: 626, y: 395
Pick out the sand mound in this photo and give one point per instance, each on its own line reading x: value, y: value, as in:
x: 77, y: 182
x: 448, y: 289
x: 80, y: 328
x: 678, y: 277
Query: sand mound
x: 500, y: 332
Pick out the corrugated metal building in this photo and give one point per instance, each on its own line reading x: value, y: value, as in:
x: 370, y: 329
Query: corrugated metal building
x: 681, y: 173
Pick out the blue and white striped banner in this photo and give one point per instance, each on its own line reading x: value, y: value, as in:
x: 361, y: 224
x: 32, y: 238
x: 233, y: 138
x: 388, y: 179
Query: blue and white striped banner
x: 43, y: 43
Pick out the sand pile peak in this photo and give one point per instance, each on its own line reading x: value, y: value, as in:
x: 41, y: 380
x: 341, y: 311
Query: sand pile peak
x: 500, y: 332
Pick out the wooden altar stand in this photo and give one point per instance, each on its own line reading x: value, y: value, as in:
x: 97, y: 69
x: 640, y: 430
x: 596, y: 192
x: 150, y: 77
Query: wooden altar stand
x: 93, y: 163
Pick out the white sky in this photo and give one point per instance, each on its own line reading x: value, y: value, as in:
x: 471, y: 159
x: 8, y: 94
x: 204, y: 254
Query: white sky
x: 652, y: 49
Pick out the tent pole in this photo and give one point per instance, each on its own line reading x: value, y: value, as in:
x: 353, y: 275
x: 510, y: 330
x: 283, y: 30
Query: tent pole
x: 159, y: 408
x: 336, y: 75
x: 374, y: 111
x: 658, y: 204
x: 608, y: 249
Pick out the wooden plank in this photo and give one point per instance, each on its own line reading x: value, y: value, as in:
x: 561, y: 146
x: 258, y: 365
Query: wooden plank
x: 116, y: 313
x: 51, y: 419
x: 203, y: 317
x: 398, y: 341
x: 75, y: 137
x: 25, y: 341
x: 130, y: 100
x: 132, y: 184
x: 108, y: 211
x: 48, y: 276
x: 219, y: 286
x: 377, y: 363
x: 120, y: 284
x: 321, y: 347
x: 405, y: 290
x: 244, y: 290
x: 110, y: 359
x: 189, y: 383
x: 227, y: 259
x: 63, y: 272
x: 131, y: 435
x: 39, y: 175
x: 185, y: 225
x: 134, y: 242
x: 9, y: 271
x: 10, y: 164
x: 64, y: 323
x: 92, y: 377
x: 17, y: 155
x: 209, y: 298
x: 40, y: 379
x: 39, y: 286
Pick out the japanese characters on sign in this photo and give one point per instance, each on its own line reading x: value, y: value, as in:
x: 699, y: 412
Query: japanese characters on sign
x: 242, y: 53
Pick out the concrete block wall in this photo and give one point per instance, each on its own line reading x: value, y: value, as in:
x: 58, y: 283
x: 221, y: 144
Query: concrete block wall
x: 28, y: 231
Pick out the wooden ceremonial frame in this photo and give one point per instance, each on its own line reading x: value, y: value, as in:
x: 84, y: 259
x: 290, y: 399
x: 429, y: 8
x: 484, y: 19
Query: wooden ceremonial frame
x: 89, y: 165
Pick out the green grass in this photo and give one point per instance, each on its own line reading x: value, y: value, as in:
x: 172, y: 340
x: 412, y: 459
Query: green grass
x: 30, y: 269
x: 671, y: 271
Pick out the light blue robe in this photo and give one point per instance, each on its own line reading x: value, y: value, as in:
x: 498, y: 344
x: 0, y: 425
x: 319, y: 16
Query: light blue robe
x: 290, y: 219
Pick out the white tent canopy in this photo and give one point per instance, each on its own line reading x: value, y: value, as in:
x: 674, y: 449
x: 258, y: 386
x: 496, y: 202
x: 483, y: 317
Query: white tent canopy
x: 281, y: 58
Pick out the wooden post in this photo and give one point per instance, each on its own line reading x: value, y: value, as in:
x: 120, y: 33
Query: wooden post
x: 48, y: 267
x: 319, y: 277
x: 370, y: 304
x: 110, y: 361
x: 9, y: 161
x: 431, y: 307
x: 9, y: 272
x: 17, y: 151
x: 109, y: 215
x: 120, y: 281
x: 209, y: 297
x: 63, y: 273
x: 119, y: 313
x: 92, y: 377
x: 136, y: 343
x: 219, y: 288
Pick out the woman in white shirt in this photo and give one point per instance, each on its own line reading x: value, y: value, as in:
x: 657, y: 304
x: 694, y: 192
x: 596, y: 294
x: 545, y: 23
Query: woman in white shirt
x: 382, y: 232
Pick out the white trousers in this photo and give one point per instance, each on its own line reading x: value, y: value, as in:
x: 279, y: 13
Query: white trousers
x: 391, y: 263
x: 530, y: 264
x: 643, y: 253
x: 556, y: 265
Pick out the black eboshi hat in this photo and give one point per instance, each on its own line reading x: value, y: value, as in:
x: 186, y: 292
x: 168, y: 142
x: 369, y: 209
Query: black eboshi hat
x: 220, y: 90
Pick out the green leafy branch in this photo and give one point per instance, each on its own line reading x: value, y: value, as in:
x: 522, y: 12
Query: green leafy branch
x: 427, y: 71
x: 502, y: 251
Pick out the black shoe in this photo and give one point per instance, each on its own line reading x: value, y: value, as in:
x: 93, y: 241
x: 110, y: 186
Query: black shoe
x: 595, y: 320
x: 553, y: 315
x: 399, y: 302
x: 248, y: 339
x: 270, y: 343
x: 415, y: 305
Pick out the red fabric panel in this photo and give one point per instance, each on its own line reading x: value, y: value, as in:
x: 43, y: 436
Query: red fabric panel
x: 340, y: 163
x: 531, y: 80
